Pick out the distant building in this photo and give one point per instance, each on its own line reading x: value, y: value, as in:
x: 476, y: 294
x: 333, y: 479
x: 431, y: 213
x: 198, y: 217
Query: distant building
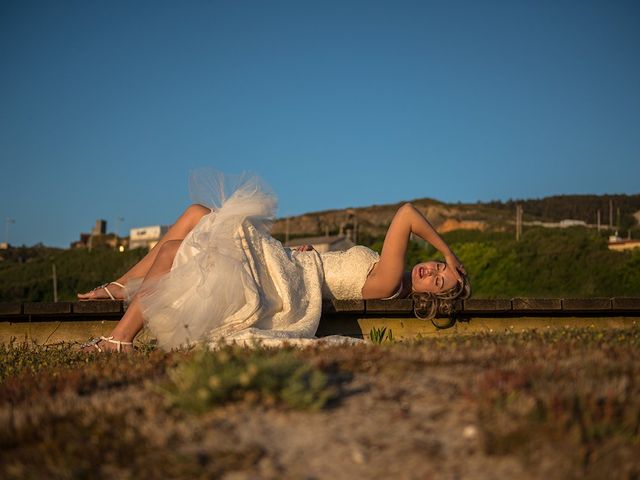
x: 572, y: 223
x: 99, y: 238
x: 4, y: 245
x: 323, y: 244
x: 83, y: 242
x: 566, y: 223
x: 146, y: 237
x: 619, y: 244
x: 100, y: 228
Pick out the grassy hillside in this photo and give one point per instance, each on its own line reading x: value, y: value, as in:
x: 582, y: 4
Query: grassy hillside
x: 563, y: 263
x: 572, y: 262
x: 26, y: 273
x: 579, y: 207
x: 495, y: 215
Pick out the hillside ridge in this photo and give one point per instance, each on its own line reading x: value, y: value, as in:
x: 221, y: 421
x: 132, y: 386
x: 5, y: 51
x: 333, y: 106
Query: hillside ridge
x: 372, y: 221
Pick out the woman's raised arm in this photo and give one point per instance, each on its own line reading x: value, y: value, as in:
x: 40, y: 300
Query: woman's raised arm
x: 385, y: 278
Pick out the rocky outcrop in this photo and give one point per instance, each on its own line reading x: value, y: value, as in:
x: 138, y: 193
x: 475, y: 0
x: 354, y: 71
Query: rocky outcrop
x: 374, y: 220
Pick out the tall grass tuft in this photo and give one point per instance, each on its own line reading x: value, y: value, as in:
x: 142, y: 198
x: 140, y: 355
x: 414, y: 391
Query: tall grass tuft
x: 379, y: 335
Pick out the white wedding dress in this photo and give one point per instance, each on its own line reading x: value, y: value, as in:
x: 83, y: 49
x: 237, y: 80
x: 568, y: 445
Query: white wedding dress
x: 231, y: 280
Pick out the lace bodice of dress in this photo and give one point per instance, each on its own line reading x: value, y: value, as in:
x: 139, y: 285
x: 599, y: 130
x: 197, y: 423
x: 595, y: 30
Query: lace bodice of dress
x: 345, y: 272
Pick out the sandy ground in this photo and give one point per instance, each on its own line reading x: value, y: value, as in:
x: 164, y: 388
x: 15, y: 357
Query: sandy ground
x: 406, y: 413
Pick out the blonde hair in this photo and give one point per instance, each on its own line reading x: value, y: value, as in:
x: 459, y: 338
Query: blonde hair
x: 426, y: 305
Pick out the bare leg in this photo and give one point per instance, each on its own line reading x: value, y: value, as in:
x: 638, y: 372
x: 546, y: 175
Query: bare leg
x: 131, y: 322
x: 178, y: 231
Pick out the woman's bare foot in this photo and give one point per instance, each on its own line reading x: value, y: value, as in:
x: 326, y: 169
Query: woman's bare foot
x: 100, y: 293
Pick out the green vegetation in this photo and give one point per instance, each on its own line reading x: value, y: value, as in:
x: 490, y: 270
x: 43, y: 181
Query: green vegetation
x: 28, y: 359
x: 571, y: 262
x: 577, y: 207
x: 21, y: 358
x: 26, y: 273
x: 575, y: 391
x: 233, y: 373
x: 379, y: 335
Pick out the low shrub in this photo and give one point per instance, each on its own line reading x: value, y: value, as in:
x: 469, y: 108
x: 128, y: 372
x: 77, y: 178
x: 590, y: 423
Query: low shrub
x: 209, y: 378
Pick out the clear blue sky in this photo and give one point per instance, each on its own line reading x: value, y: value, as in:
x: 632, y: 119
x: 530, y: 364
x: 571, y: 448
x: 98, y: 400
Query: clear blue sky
x: 106, y: 105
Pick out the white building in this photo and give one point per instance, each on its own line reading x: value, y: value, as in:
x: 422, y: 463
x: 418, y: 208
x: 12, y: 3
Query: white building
x: 619, y: 244
x: 568, y: 222
x: 146, y: 237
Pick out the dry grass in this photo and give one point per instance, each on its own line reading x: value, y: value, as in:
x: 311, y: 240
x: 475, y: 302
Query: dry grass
x: 564, y: 404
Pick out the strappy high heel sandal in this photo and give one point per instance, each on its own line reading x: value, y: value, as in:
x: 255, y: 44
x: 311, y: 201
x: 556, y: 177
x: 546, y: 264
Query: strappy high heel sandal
x: 106, y: 289
x: 95, y: 341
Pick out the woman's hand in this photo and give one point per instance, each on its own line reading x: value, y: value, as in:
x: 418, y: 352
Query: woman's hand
x: 304, y: 248
x: 454, y: 263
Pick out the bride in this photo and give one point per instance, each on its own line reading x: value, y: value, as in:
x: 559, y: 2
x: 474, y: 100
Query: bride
x: 217, y: 273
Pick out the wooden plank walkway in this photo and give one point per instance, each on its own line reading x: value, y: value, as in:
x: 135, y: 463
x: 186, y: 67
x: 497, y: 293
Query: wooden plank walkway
x: 515, y: 307
x: 52, y: 322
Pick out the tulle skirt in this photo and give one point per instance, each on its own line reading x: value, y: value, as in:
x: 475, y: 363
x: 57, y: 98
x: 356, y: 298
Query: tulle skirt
x: 207, y: 282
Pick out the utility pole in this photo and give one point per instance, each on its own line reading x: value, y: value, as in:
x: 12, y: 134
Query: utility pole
x: 55, y: 283
x: 355, y: 229
x: 286, y: 232
x: 118, y: 221
x: 611, y: 214
x: 518, y: 222
x: 598, y: 219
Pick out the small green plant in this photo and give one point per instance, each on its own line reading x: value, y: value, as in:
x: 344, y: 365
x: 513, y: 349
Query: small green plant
x: 377, y: 335
x: 17, y: 357
x: 209, y: 378
x: 390, y: 336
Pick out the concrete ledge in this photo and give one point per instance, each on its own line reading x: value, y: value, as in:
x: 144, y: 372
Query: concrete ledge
x: 412, y: 328
x: 360, y: 326
x: 48, y: 332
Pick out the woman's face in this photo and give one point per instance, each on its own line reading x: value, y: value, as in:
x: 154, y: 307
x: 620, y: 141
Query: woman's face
x: 432, y: 277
